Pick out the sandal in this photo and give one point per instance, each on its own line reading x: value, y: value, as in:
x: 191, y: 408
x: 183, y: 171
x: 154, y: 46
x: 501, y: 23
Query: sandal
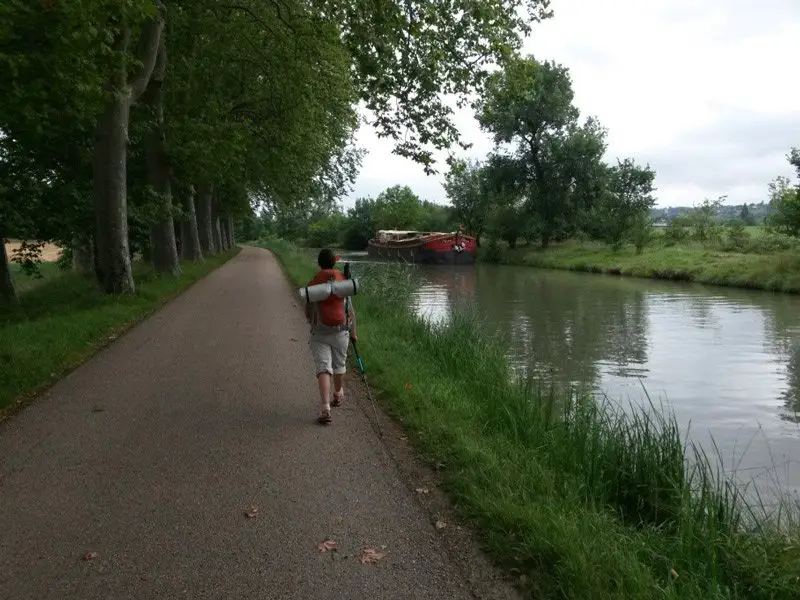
x: 337, y: 399
x: 324, y: 417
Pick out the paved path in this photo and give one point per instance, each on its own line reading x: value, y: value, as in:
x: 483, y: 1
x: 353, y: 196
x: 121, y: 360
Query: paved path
x: 150, y: 454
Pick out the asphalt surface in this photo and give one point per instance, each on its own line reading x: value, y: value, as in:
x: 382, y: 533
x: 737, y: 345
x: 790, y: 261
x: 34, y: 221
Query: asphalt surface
x: 150, y: 454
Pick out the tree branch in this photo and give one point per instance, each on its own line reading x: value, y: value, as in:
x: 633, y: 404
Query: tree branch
x: 258, y: 19
x: 148, y: 52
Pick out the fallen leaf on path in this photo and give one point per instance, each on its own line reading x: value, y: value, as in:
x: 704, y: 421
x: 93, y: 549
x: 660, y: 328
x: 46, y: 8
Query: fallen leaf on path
x: 90, y: 556
x: 326, y: 545
x: 371, y: 556
x: 97, y: 409
x: 252, y: 513
x: 422, y: 490
x: 440, y: 524
x: 293, y: 339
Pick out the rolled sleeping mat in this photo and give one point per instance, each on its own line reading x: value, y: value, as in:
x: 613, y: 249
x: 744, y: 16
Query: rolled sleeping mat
x: 346, y: 288
x: 322, y: 291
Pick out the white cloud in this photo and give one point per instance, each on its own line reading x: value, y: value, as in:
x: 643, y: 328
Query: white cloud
x: 704, y: 90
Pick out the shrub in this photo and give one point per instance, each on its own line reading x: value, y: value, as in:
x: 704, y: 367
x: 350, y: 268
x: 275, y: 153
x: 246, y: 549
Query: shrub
x: 492, y: 252
x: 735, y: 237
x: 675, y: 233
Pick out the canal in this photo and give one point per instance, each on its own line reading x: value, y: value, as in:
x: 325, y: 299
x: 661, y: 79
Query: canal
x: 726, y: 361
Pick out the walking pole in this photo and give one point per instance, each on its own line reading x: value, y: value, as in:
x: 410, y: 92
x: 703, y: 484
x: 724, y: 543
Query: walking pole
x: 361, y: 362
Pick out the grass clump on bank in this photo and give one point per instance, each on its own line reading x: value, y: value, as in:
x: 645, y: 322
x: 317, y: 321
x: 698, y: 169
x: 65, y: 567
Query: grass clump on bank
x: 64, y: 318
x: 774, y: 271
x: 581, y: 500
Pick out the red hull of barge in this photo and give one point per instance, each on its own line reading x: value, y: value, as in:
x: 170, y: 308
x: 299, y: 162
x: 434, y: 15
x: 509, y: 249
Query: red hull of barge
x: 439, y: 248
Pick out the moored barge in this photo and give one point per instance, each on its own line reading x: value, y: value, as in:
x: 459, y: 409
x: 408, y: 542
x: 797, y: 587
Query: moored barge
x: 437, y: 248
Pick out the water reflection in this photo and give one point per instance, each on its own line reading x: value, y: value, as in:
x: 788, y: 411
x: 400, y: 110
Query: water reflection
x: 727, y: 361
x: 791, y: 396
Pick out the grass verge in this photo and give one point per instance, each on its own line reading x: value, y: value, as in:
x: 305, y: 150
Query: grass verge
x: 777, y: 271
x: 64, y: 319
x: 580, y: 500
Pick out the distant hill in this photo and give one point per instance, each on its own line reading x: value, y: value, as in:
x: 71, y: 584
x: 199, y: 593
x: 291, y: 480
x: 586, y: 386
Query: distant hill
x: 727, y: 212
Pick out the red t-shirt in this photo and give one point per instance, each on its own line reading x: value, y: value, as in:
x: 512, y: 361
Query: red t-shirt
x: 331, y: 310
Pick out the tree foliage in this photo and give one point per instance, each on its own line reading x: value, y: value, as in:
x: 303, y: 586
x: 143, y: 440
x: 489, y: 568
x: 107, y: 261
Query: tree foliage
x: 785, y: 200
x: 529, y: 106
x: 786, y: 210
x: 626, y: 198
x: 120, y: 118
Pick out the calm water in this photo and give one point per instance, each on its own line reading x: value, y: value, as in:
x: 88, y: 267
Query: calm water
x: 726, y: 361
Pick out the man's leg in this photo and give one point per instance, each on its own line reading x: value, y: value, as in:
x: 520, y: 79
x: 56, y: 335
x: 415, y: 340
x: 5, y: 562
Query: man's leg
x: 322, y: 361
x: 324, y: 381
x: 338, y: 389
x: 339, y: 363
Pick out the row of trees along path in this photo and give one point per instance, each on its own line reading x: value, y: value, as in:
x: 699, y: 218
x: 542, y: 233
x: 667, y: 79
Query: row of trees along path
x: 119, y: 119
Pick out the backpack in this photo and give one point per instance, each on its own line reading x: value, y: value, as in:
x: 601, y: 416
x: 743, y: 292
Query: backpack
x: 331, y: 311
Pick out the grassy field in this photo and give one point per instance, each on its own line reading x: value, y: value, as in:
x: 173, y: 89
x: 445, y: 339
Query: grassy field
x: 578, y: 500
x: 774, y: 271
x: 62, y: 319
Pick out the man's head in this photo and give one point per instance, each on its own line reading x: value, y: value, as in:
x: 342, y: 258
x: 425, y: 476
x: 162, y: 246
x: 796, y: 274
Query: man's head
x: 326, y: 259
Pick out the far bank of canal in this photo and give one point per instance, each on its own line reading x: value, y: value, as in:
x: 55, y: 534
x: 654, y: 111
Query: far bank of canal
x: 727, y: 361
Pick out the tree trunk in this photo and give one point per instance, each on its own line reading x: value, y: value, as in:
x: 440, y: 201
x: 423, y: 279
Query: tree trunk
x: 204, y: 224
x: 215, y: 229
x: 110, y: 192
x: 83, y: 256
x: 223, y: 230
x: 218, y: 235
x: 226, y: 232
x: 110, y: 159
x: 190, y: 237
x: 162, y: 233
x: 231, y: 232
x: 8, y: 294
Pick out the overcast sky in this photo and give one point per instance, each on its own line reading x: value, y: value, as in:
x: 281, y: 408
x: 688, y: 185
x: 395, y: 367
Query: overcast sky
x: 706, y: 91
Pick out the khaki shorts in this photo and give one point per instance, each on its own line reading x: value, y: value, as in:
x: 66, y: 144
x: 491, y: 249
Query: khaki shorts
x: 330, y: 351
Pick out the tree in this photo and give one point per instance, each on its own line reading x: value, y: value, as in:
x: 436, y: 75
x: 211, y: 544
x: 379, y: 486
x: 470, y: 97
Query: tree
x: 407, y: 55
x: 529, y: 104
x: 361, y: 225
x: 745, y: 216
x: 507, y: 223
x: 397, y: 207
x: 159, y: 172
x: 794, y: 160
x: 325, y: 232
x: 261, y: 104
x: 111, y: 108
x: 641, y: 231
x: 53, y: 59
x: 7, y: 291
x: 704, y: 220
x: 111, y: 141
x: 465, y: 187
x: 628, y: 196
x: 437, y: 217
x: 785, y: 205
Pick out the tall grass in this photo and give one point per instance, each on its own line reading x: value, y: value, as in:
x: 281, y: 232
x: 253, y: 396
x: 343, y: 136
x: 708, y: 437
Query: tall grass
x: 581, y: 499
